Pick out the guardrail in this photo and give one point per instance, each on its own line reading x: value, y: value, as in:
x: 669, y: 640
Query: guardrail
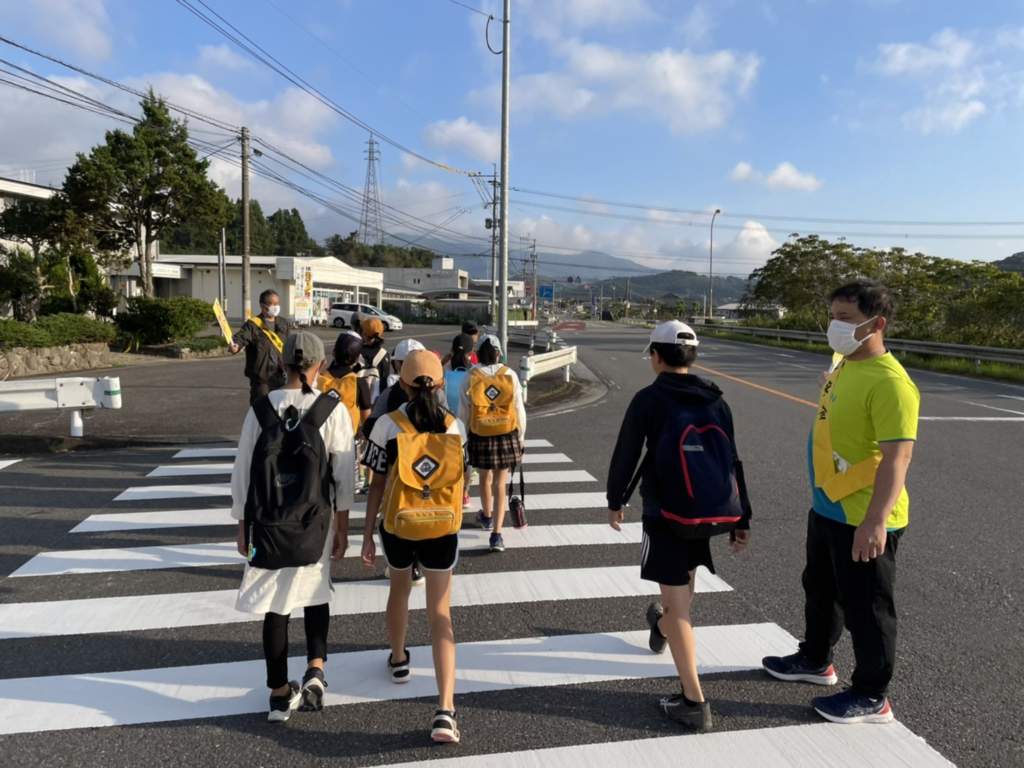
x: 527, y: 333
x: 74, y: 393
x: 531, y: 365
x: 963, y: 351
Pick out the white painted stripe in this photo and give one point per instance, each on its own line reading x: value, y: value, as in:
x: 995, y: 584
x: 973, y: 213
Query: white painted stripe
x: 196, y: 609
x: 1011, y: 397
x: 224, y: 468
x: 121, y: 559
x: 61, y: 702
x: 186, y: 518
x: 204, y: 490
x: 994, y: 408
x: 971, y: 418
x: 823, y: 745
x: 5, y: 463
x: 229, y: 453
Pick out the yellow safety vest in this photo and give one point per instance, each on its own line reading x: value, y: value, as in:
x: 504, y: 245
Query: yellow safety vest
x: 271, y: 336
x: 837, y: 484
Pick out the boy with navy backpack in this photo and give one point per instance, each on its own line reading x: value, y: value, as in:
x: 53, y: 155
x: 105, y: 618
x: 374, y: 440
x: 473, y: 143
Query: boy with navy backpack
x: 291, y: 491
x: 692, y: 486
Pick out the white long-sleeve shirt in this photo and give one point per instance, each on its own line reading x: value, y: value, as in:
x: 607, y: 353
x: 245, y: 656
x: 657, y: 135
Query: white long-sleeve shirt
x: 492, y: 370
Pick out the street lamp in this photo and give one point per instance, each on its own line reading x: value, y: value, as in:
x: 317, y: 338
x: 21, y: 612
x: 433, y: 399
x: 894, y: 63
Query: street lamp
x: 709, y: 307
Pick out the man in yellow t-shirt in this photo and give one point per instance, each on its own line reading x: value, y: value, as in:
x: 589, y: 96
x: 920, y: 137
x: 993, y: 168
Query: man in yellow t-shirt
x: 859, y: 453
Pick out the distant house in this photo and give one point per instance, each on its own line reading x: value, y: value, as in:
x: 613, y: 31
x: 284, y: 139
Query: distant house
x: 738, y: 311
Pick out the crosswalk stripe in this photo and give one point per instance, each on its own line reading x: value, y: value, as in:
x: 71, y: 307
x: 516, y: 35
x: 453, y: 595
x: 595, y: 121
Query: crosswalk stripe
x: 219, y: 453
x: 206, y: 554
x: 5, y: 463
x: 186, y: 518
x: 133, y: 613
x: 224, y: 467
x: 204, y: 490
x: 214, y: 690
x: 823, y: 745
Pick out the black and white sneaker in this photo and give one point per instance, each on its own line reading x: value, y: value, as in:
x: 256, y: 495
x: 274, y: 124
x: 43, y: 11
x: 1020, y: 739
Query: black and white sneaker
x: 443, y: 728
x: 693, y: 715
x: 657, y: 641
x: 399, y: 671
x: 313, y: 685
x: 417, y: 576
x: 281, y: 707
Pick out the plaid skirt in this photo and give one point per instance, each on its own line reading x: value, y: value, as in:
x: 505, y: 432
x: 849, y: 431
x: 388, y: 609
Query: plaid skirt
x: 498, y: 452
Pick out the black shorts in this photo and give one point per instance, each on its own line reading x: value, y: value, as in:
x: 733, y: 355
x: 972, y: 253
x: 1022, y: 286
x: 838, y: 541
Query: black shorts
x: 440, y: 554
x: 667, y: 559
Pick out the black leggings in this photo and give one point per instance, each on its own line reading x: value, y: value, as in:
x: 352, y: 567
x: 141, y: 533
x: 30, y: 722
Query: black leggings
x: 317, y: 618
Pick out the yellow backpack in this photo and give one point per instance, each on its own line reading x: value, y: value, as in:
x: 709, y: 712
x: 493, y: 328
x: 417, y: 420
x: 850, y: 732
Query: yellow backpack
x: 423, y: 493
x: 347, y: 388
x: 492, y: 406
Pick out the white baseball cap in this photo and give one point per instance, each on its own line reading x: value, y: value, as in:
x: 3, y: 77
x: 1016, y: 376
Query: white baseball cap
x: 673, y: 332
x: 405, y: 346
x: 491, y: 339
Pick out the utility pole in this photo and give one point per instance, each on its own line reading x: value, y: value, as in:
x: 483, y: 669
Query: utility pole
x: 533, y: 270
x: 710, y: 306
x: 503, y: 297
x: 246, y: 295
x: 494, y: 245
x: 224, y: 269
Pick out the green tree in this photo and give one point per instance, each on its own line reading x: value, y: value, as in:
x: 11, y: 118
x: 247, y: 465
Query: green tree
x: 289, y: 234
x: 201, y: 232
x: 137, y: 186
x: 261, y: 240
x: 32, y: 225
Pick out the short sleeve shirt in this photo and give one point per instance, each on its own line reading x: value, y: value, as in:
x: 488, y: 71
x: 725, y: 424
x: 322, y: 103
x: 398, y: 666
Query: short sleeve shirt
x: 382, y: 448
x: 873, y: 401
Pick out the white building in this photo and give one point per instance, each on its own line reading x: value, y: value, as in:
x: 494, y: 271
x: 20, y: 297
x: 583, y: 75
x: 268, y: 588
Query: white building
x: 441, y: 277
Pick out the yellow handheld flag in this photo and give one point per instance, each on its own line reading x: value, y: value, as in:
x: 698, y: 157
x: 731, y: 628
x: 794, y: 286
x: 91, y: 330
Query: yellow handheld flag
x: 836, y: 359
x: 222, y: 320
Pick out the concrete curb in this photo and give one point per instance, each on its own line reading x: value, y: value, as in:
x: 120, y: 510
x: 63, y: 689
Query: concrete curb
x: 593, y: 390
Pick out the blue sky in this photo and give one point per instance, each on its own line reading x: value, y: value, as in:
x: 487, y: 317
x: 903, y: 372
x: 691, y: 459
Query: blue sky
x: 852, y: 109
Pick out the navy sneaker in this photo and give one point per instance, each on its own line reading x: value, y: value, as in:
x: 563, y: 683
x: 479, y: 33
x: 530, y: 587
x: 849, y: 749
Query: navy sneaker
x: 497, y: 543
x: 795, y: 668
x: 313, y: 686
x: 693, y: 715
x: 484, y: 521
x: 281, y: 707
x: 657, y: 641
x: 850, y: 707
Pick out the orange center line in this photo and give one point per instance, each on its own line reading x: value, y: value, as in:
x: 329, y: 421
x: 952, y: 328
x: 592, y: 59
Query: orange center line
x: 769, y: 390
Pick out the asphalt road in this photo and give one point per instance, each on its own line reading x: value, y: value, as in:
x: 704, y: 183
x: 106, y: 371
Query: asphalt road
x: 82, y: 683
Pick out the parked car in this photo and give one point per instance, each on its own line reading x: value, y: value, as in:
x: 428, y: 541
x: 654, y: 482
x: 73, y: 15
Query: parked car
x: 341, y: 315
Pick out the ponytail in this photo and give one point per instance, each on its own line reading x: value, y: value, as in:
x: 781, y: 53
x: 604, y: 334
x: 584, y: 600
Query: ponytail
x: 299, y: 368
x: 425, y: 410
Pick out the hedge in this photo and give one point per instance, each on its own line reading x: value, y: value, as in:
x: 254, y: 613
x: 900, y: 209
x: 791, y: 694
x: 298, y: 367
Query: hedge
x: 158, y: 321
x: 56, y: 331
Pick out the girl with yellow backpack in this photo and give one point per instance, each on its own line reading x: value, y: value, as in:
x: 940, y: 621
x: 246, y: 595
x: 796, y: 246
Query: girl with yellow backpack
x: 491, y: 405
x: 342, y: 376
x: 417, y: 457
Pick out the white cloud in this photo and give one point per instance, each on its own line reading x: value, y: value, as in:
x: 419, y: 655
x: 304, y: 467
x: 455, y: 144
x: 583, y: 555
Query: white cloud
x: 946, y: 50
x: 549, y: 20
x: 691, y: 92
x: 784, y: 176
x: 465, y: 136
x: 946, y: 118
x: 79, y: 26
x: 222, y: 57
x: 696, y: 27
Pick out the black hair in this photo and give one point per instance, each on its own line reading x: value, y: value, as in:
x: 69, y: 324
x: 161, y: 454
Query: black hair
x: 469, y: 328
x: 488, y: 353
x: 462, y: 345
x: 675, y: 355
x: 265, y: 296
x: 425, y: 410
x: 299, y: 366
x: 873, y: 299
x: 347, y: 349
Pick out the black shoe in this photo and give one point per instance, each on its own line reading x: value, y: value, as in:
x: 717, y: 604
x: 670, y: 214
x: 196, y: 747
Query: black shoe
x: 657, y: 641
x: 281, y: 707
x: 696, y: 716
x: 443, y: 728
x: 417, y: 575
x: 797, y: 668
x: 313, y: 685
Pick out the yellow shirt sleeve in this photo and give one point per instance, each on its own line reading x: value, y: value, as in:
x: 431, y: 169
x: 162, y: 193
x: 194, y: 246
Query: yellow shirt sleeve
x: 894, y: 406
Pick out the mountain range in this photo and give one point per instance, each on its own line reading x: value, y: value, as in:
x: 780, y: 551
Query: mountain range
x: 1014, y: 263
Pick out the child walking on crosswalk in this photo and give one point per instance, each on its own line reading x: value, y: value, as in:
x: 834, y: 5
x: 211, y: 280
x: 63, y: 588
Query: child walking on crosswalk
x: 417, y: 456
x: 491, y: 405
x: 291, y: 491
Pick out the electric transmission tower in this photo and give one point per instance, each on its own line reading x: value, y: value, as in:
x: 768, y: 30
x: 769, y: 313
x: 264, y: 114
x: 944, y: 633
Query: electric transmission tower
x: 371, y: 231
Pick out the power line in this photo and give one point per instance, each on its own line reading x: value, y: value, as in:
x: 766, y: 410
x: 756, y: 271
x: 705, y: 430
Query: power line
x: 471, y: 8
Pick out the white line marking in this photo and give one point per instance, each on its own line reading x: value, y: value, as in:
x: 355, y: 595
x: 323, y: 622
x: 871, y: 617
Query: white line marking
x: 61, y: 702
x: 5, y: 463
x: 206, y: 554
x: 204, y: 490
x: 971, y: 418
x: 994, y: 408
x: 790, y: 746
x: 229, y: 453
x: 1011, y: 397
x: 134, y: 613
x: 190, y: 518
x: 224, y: 467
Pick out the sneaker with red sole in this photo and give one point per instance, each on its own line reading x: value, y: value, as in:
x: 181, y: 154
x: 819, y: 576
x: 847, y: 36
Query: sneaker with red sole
x: 796, y: 668
x: 848, y: 707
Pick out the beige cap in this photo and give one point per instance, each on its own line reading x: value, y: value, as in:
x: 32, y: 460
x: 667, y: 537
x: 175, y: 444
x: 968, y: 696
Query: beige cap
x: 422, y: 362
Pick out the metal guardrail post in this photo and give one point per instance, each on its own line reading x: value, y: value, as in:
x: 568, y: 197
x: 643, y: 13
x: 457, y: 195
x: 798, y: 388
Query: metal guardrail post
x: 525, y: 369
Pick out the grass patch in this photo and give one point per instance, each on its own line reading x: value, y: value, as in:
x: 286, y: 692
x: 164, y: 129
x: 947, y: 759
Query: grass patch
x: 954, y: 365
x: 201, y: 343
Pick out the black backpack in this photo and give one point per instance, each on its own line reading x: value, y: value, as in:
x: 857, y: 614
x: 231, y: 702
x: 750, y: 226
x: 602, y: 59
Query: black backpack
x: 291, y: 488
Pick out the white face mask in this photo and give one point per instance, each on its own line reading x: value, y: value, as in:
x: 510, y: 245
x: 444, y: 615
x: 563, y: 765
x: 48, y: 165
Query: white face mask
x: 842, y: 336
x: 273, y: 310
